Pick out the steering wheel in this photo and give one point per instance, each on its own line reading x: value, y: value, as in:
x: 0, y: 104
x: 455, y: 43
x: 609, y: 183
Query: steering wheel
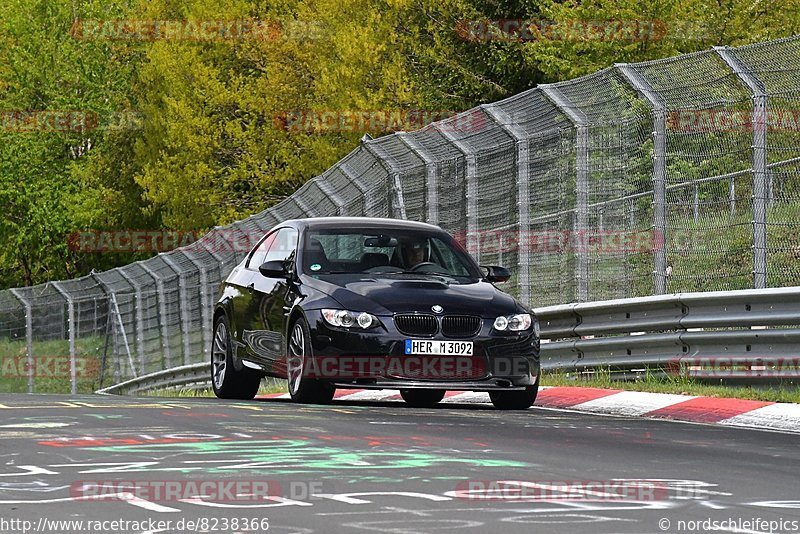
x: 420, y: 265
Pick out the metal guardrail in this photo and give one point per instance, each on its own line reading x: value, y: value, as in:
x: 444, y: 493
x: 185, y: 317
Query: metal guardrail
x: 185, y: 375
x: 628, y: 334
x: 654, y: 332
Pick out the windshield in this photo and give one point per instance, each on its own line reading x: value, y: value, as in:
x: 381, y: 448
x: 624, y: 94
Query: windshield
x: 377, y: 251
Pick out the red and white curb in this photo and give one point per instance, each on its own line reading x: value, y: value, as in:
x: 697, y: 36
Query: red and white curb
x: 723, y: 411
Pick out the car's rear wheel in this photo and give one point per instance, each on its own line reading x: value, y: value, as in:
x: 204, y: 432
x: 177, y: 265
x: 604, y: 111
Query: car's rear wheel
x: 422, y: 398
x: 228, y: 383
x: 515, y: 400
x: 298, y: 367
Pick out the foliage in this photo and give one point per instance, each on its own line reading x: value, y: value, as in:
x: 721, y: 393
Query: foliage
x: 205, y: 146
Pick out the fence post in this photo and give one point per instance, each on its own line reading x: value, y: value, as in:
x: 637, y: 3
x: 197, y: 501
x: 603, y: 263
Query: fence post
x: 507, y: 123
x: 28, y: 334
x: 659, y: 109
x: 184, y: 311
x: 206, y: 305
x: 124, y: 335
x: 328, y: 190
x: 73, y: 376
x: 305, y: 208
x: 139, y: 312
x: 581, y: 123
x: 162, y: 311
x: 397, y: 203
x: 473, y: 239
x: 431, y: 176
x: 107, y: 291
x: 353, y: 177
x: 761, y: 189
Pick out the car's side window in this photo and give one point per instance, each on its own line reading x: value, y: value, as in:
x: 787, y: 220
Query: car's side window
x: 283, y: 246
x: 260, y: 252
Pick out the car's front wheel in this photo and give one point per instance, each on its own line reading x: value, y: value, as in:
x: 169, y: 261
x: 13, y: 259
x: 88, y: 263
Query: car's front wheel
x: 515, y: 400
x: 422, y: 398
x: 228, y: 383
x: 299, y: 362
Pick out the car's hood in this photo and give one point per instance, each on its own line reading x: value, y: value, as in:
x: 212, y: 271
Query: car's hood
x: 409, y: 293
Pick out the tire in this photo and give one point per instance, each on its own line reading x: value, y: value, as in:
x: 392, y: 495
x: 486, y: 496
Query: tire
x: 515, y: 400
x: 422, y: 398
x: 228, y: 383
x: 301, y: 388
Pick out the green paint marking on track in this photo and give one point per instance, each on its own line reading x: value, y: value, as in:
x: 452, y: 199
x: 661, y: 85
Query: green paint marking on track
x: 302, y: 455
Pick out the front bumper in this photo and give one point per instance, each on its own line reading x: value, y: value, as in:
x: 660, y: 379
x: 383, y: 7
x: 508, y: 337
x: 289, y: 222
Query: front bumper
x: 375, y: 359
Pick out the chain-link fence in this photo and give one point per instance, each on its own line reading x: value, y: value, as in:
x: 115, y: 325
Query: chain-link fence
x: 680, y: 174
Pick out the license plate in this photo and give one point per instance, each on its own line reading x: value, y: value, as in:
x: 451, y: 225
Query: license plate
x: 427, y: 346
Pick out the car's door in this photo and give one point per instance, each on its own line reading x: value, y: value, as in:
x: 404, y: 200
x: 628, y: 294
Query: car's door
x: 270, y: 302
x: 241, y: 288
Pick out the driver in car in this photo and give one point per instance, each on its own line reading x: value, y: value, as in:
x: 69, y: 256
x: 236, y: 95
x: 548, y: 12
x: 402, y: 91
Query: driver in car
x: 414, y: 252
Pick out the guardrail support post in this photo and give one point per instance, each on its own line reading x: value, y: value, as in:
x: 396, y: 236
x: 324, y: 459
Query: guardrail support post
x: 28, y: 334
x: 506, y: 122
x: 73, y: 375
x: 659, y: 108
x: 761, y: 189
x: 581, y: 240
x: 431, y: 176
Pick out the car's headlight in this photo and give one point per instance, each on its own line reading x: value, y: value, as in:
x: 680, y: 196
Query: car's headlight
x: 347, y: 319
x: 514, y: 323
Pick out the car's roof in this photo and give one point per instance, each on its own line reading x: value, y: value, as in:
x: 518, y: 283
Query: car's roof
x: 361, y: 222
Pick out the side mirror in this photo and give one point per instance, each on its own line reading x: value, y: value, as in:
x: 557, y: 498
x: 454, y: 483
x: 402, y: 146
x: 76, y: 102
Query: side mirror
x: 274, y: 269
x: 497, y: 274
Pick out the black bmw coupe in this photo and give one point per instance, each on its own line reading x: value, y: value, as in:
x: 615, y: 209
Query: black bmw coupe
x: 369, y: 303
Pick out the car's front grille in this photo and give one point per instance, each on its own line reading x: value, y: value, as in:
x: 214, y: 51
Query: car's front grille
x: 460, y: 325
x: 416, y: 324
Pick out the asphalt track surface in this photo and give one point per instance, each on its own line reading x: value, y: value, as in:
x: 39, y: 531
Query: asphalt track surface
x: 382, y: 467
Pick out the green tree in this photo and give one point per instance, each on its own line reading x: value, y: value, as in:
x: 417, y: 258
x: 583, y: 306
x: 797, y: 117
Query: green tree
x: 46, y: 188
